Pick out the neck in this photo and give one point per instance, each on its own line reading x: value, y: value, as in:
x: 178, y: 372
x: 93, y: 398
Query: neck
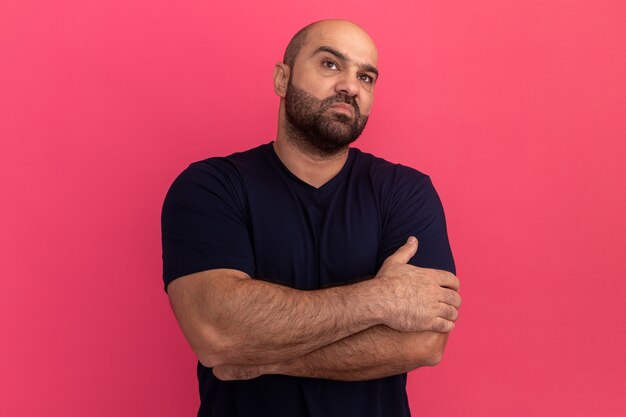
x: 310, y: 166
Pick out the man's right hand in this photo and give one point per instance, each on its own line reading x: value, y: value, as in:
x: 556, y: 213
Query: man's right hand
x: 416, y: 299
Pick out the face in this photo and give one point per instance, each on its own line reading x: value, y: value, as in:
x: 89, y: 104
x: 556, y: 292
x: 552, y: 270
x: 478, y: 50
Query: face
x: 330, y: 88
x: 327, y: 125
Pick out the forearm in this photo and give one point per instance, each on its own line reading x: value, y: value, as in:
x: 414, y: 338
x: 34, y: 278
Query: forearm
x: 374, y: 353
x: 246, y: 321
x: 377, y: 352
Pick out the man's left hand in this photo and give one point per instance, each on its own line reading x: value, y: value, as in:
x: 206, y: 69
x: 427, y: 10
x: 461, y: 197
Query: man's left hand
x: 240, y: 372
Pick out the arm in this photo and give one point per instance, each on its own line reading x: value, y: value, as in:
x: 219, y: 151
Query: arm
x: 229, y: 318
x: 377, y: 352
x: 373, y: 353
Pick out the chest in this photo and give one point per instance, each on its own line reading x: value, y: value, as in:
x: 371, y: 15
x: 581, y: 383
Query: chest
x: 309, y: 239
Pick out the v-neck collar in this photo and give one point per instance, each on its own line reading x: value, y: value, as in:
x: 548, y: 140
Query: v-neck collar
x: 328, y: 186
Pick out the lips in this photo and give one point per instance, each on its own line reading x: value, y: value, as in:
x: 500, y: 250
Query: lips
x: 344, y: 107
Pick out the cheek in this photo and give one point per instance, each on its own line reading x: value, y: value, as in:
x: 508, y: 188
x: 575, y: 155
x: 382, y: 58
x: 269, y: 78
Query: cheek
x: 366, y: 105
x: 319, y: 88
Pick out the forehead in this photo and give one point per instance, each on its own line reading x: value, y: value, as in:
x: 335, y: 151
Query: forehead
x: 348, y: 39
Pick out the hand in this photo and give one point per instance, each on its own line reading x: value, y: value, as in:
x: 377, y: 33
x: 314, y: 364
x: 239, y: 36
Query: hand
x: 416, y: 299
x: 240, y: 372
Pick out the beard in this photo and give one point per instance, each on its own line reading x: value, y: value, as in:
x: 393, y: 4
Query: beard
x: 313, y: 128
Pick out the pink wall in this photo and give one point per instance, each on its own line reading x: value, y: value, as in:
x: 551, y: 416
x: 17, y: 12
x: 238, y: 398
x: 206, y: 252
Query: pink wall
x: 516, y: 109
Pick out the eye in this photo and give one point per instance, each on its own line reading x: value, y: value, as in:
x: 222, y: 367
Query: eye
x: 327, y: 63
x: 366, y: 78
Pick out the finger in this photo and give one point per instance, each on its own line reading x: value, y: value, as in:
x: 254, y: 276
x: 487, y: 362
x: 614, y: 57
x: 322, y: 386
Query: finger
x: 450, y: 297
x: 405, y: 252
x: 235, y: 372
x: 223, y: 373
x: 442, y: 325
x: 446, y: 311
x: 448, y: 280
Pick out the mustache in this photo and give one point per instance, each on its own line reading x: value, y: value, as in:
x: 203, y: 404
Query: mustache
x: 341, y: 98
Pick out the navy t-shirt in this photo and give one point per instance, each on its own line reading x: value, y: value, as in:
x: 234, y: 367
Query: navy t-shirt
x: 248, y: 212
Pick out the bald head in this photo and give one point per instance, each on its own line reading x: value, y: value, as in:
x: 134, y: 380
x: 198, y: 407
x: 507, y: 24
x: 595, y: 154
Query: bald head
x: 326, y: 84
x: 321, y: 28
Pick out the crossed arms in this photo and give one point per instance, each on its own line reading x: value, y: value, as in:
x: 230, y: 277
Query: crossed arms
x: 243, y: 328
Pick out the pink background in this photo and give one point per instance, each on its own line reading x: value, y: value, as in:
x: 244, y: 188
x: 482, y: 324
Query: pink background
x: 516, y: 110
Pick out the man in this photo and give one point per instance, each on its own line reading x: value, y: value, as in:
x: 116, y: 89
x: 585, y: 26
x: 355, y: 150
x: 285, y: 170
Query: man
x: 293, y: 268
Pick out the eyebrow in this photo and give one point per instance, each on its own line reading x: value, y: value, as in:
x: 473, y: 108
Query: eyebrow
x: 343, y: 57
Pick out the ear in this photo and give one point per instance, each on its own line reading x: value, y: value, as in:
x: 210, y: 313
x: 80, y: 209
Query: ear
x: 281, y: 78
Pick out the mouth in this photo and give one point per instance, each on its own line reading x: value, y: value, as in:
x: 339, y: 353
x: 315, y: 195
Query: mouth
x: 343, y: 108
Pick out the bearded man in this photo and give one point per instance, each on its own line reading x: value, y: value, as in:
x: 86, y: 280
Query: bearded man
x: 293, y: 268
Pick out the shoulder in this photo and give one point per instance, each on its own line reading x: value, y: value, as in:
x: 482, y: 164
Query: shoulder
x: 218, y: 174
x: 391, y: 178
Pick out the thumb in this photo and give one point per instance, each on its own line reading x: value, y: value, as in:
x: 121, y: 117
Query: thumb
x: 405, y: 252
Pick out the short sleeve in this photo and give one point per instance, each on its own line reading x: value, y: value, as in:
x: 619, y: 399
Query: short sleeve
x: 203, y: 222
x: 414, y: 209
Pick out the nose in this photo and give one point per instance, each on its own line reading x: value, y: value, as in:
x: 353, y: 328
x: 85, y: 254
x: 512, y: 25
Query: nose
x: 347, y: 84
